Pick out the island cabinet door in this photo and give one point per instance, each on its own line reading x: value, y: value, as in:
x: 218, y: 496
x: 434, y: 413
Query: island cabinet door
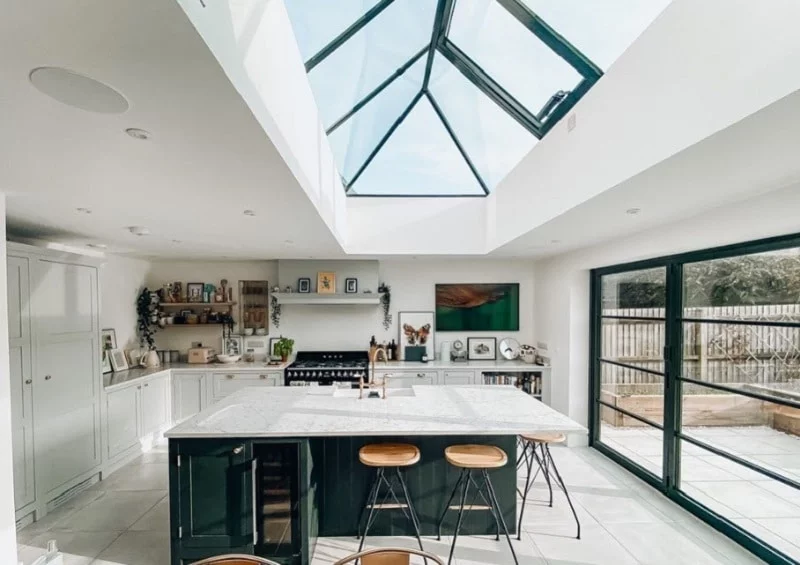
x: 215, y: 491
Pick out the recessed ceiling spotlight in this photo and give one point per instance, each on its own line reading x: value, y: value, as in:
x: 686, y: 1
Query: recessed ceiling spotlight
x: 139, y: 230
x: 249, y: 213
x: 83, y: 210
x: 554, y: 241
x: 633, y: 211
x: 97, y: 245
x: 176, y: 241
x: 137, y: 133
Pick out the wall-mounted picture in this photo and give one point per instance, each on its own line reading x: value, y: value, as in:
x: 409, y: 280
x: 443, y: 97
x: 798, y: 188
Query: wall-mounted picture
x: 194, y: 292
x: 326, y: 283
x: 482, y: 348
x: 416, y: 331
x: 304, y: 285
x: 351, y: 286
x: 118, y: 360
x: 108, y: 341
x: 232, y: 345
x: 477, y: 307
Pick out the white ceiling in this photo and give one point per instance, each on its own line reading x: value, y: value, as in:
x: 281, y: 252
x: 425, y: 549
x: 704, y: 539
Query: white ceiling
x: 207, y: 160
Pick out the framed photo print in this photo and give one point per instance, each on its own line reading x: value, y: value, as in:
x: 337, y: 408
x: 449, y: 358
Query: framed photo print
x: 118, y: 360
x: 326, y: 283
x: 108, y: 341
x: 232, y: 345
x: 351, y: 286
x: 194, y: 292
x: 477, y: 307
x: 273, y: 341
x: 304, y: 285
x: 481, y: 348
x: 417, y: 330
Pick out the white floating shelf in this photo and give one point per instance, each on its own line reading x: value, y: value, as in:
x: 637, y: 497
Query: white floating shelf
x: 327, y: 299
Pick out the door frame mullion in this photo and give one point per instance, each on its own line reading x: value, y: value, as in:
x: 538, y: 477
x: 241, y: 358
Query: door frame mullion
x: 673, y: 361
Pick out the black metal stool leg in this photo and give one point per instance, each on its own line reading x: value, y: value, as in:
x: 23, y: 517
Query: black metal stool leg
x: 375, y: 485
x: 563, y: 487
x: 372, y: 503
x: 413, y: 515
x: 528, y: 484
x: 467, y: 473
x: 447, y: 506
x: 496, y: 504
x: 542, y: 461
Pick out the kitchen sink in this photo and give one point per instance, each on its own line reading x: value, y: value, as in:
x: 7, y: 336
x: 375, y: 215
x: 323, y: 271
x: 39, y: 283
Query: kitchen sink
x: 390, y: 393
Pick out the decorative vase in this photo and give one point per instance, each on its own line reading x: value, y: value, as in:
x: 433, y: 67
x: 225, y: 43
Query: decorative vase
x: 150, y: 359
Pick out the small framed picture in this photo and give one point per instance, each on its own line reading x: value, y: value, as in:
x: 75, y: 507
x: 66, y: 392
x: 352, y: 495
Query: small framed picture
x: 194, y: 292
x: 416, y: 330
x: 304, y: 285
x: 273, y: 341
x: 326, y: 283
x: 482, y: 348
x: 351, y: 286
x: 118, y: 360
x: 108, y: 341
x: 232, y: 345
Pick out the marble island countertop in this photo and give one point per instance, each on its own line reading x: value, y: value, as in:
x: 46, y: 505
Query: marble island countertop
x: 331, y: 411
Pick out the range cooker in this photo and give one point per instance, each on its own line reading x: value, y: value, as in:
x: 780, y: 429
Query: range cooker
x: 314, y: 368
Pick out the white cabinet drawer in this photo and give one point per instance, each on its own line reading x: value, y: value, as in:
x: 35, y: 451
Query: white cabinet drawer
x: 458, y: 377
x: 228, y: 383
x: 407, y: 379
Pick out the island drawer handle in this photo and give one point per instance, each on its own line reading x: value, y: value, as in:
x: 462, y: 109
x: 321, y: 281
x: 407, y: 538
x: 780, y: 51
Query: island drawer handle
x: 238, y: 450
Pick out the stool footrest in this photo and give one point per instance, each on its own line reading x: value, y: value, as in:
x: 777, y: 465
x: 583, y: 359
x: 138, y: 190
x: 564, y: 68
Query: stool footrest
x: 469, y: 507
x: 387, y: 505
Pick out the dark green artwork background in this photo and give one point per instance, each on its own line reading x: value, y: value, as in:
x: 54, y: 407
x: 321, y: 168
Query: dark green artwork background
x: 499, y: 316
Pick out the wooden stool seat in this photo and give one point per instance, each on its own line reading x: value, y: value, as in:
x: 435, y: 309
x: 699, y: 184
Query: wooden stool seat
x: 544, y: 437
x: 470, y: 456
x: 235, y: 559
x: 388, y: 455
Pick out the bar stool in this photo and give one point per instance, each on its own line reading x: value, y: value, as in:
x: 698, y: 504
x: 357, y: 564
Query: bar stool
x: 471, y: 458
x: 536, y: 449
x: 383, y: 456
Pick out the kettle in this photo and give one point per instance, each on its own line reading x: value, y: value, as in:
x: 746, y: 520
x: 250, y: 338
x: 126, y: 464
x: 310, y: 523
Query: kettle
x: 149, y: 359
x: 444, y: 351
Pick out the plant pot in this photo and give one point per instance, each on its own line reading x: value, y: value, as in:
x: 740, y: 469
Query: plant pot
x: 284, y: 358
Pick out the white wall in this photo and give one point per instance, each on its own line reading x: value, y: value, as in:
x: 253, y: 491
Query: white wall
x: 348, y: 327
x: 121, y: 281
x: 8, y: 539
x: 561, y: 290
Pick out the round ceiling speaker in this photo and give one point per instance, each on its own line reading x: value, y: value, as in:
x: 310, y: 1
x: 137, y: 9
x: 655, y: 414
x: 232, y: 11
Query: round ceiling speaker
x: 79, y: 91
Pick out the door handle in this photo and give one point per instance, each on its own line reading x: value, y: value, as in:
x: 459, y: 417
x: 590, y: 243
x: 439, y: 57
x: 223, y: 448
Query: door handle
x: 238, y: 450
x: 48, y: 377
x: 28, y: 381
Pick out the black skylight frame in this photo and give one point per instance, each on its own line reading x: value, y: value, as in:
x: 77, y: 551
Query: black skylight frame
x: 537, y: 124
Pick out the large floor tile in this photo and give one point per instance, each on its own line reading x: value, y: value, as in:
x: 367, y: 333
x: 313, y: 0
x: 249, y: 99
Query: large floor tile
x: 87, y: 545
x: 151, y: 476
x: 137, y: 548
x: 28, y: 554
x: 596, y: 547
x: 59, y: 516
x: 618, y: 507
x: 156, y: 519
x: 748, y: 500
x: 113, y: 511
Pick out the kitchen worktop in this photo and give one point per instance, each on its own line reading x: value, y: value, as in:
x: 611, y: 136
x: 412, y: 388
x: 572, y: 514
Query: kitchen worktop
x: 121, y: 378
x: 330, y: 411
x: 492, y: 365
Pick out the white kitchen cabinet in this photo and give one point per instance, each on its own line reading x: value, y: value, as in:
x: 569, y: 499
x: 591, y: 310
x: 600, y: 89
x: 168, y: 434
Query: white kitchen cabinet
x: 227, y: 383
x: 458, y: 377
x: 189, y: 394
x: 19, y: 335
x: 407, y: 379
x: 122, y: 420
x: 155, y: 405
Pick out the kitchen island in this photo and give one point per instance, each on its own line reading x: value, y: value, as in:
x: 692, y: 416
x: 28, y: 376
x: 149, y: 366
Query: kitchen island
x: 269, y: 470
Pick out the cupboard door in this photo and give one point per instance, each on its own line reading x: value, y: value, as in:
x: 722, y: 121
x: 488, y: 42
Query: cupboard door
x: 122, y: 410
x: 155, y: 405
x: 66, y: 410
x: 65, y: 298
x: 19, y: 338
x: 189, y: 395
x: 228, y: 383
x: 216, y: 484
x: 459, y: 377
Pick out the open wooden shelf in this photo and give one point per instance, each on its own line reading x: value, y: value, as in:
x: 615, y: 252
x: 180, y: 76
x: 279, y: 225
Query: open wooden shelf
x: 327, y: 299
x: 196, y: 304
x: 215, y: 324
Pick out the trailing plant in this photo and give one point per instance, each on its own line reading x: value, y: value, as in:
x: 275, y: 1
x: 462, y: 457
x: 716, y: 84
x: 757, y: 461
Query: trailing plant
x: 275, y: 314
x: 284, y: 347
x: 386, y: 302
x: 146, y: 328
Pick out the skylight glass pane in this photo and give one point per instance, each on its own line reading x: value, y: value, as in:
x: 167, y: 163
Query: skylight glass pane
x: 510, y: 53
x: 318, y: 23
x: 600, y: 30
x: 493, y: 140
x: 355, y: 139
x: 369, y: 57
x: 419, y: 159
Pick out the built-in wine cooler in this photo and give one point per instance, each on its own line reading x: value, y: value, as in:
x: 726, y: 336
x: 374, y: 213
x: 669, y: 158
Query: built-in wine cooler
x: 277, y: 501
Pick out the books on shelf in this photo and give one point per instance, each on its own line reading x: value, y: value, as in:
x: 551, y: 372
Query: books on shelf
x: 531, y: 383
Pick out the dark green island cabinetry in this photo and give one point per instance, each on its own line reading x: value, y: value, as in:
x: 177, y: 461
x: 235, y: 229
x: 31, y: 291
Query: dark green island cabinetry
x: 269, y: 472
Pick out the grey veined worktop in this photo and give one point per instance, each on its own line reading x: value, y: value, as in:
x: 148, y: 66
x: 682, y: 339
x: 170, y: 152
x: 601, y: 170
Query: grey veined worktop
x: 330, y: 411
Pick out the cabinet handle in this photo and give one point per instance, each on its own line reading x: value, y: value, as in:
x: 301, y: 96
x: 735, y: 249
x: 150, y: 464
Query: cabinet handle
x: 262, y: 376
x: 254, y: 472
x: 146, y: 384
x: 139, y: 387
x: 238, y: 450
x: 421, y: 375
x: 48, y: 377
x: 228, y: 376
x: 28, y: 381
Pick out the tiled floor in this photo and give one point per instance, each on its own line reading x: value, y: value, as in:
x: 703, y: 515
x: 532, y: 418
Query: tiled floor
x: 763, y: 506
x: 124, y: 521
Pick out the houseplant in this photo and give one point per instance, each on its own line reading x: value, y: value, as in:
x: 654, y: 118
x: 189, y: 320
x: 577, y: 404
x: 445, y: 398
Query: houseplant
x: 147, y: 310
x: 284, y: 347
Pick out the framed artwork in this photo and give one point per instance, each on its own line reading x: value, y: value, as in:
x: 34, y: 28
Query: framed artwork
x: 108, y: 341
x: 492, y: 307
x: 194, y: 292
x: 351, y: 286
x: 118, y: 360
x: 273, y: 341
x: 481, y: 348
x: 417, y: 330
x: 304, y: 285
x: 232, y: 345
x: 326, y: 283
